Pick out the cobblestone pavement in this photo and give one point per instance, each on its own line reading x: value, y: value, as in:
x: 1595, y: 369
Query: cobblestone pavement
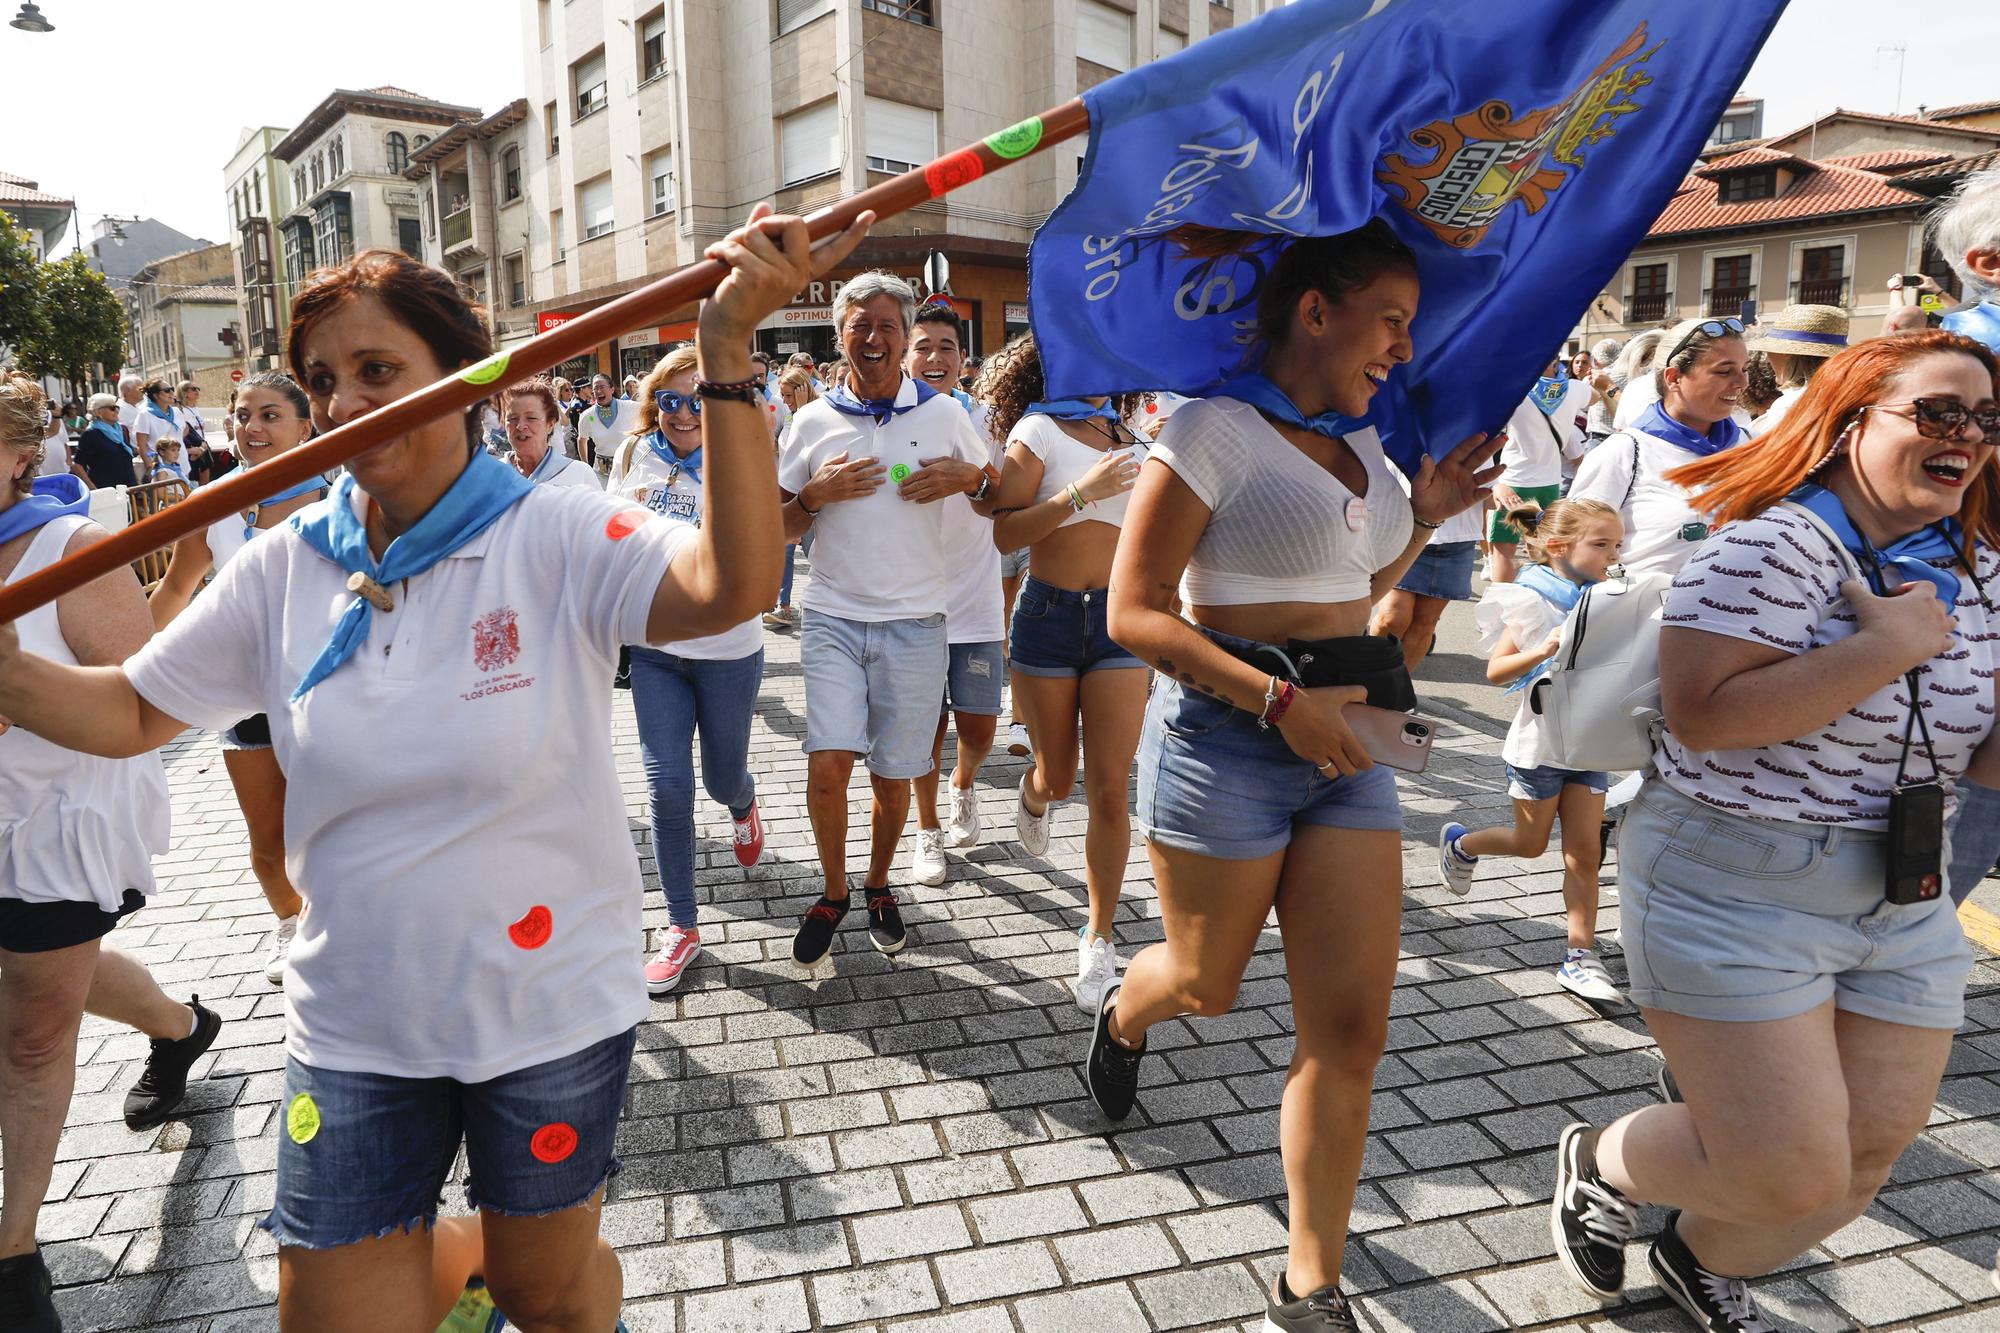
x: 906, y: 1144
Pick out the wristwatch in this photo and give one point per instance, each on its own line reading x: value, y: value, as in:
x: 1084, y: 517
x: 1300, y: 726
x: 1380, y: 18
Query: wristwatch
x: 986, y: 482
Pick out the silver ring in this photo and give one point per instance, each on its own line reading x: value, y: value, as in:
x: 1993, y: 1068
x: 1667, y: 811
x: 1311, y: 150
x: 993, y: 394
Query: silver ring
x: 1325, y: 766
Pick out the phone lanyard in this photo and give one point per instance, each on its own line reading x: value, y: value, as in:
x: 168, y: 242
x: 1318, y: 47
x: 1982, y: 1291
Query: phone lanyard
x: 1916, y: 726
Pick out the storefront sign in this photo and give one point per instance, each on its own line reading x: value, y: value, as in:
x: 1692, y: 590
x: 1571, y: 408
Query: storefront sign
x: 553, y: 319
x: 1017, y: 312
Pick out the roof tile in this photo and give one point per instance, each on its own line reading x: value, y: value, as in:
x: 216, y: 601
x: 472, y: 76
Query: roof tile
x: 1828, y: 191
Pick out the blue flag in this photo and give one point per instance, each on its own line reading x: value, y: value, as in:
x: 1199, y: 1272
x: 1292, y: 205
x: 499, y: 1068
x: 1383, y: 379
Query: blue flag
x: 1520, y: 149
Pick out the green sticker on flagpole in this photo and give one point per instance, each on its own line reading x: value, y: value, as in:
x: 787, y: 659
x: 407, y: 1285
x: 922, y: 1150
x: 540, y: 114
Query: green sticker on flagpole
x: 485, y: 372
x: 1017, y: 140
x: 302, y: 1118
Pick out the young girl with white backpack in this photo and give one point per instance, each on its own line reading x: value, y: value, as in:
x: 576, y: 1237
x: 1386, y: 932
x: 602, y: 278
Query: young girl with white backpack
x: 1571, y: 545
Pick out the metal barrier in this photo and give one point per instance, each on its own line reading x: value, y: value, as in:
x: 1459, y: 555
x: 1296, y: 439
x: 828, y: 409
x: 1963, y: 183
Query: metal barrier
x: 143, y: 501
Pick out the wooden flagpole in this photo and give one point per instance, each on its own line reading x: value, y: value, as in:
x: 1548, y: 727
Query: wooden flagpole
x: 461, y: 389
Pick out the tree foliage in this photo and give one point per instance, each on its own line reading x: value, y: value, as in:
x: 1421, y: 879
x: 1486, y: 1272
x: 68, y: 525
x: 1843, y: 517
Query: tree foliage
x: 81, y: 322
x: 20, y: 307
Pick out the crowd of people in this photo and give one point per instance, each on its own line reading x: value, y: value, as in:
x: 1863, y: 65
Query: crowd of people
x: 1220, y: 601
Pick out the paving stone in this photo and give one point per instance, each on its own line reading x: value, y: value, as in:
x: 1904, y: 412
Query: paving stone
x: 786, y: 1252
x: 1224, y: 1233
x: 1109, y: 1309
x: 1435, y: 1307
x: 1419, y: 1253
x: 1045, y: 1212
x: 1202, y: 1296
x: 1882, y: 1290
x: 690, y: 1266
x: 775, y: 1307
x: 997, y: 1270
x: 877, y: 1292
x: 910, y: 1231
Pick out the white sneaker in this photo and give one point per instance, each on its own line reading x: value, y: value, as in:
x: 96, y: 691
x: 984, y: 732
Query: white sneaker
x: 1032, y: 830
x: 928, y: 867
x: 1017, y: 739
x: 281, y: 951
x: 1583, y: 975
x: 1455, y: 867
x: 964, y: 822
x: 1096, y: 968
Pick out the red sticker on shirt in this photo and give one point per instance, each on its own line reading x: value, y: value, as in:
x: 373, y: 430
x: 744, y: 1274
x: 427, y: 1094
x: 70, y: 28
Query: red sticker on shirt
x: 553, y: 1143
x: 624, y: 523
x: 953, y: 170
x: 532, y: 931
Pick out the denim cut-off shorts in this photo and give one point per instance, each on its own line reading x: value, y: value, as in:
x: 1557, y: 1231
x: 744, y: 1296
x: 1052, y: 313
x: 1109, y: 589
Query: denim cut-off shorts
x: 364, y: 1155
x: 1540, y: 783
x: 974, y: 678
x: 1212, y: 781
x: 1736, y: 919
x: 252, y: 733
x: 1062, y: 632
x: 1443, y: 571
x: 873, y: 688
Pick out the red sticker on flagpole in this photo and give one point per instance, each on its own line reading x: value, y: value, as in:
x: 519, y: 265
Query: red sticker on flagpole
x: 532, y: 931
x: 553, y: 1143
x: 953, y: 170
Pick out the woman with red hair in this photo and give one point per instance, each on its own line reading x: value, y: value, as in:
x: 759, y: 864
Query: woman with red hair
x: 1788, y: 940
x: 532, y: 419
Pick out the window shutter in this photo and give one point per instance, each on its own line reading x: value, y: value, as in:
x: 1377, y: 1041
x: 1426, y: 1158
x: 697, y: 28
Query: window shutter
x: 793, y: 13
x: 900, y: 133
x: 809, y: 142
x: 1103, y: 34
x: 594, y: 203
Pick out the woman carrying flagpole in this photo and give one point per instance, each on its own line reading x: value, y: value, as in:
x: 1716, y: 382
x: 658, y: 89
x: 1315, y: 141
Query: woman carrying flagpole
x: 272, y: 416
x: 1274, y: 519
x: 440, y: 607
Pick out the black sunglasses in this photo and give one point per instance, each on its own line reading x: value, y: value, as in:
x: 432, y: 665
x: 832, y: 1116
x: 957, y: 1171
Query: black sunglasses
x: 670, y: 402
x: 1945, y: 418
x: 1709, y: 328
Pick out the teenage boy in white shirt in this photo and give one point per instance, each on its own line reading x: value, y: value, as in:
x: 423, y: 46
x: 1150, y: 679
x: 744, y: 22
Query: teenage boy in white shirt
x: 865, y: 469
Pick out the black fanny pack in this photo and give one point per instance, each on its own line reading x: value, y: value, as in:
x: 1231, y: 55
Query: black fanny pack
x: 1372, y: 661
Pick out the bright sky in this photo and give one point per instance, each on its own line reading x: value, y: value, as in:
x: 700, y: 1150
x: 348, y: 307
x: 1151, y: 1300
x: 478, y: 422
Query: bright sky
x: 77, y: 124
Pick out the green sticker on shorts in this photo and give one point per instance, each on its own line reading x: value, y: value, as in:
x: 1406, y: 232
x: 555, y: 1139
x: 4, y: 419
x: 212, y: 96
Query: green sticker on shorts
x: 899, y: 473
x: 302, y: 1118
x: 1016, y: 140
x: 485, y: 372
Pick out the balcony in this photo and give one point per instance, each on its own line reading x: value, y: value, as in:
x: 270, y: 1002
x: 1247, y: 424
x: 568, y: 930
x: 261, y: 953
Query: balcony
x: 457, y: 229
x: 1650, y: 309
x: 1720, y: 302
x: 1821, y: 291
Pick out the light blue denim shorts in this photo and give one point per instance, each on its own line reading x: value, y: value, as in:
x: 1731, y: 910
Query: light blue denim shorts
x: 972, y: 683
x: 873, y: 688
x: 1546, y: 780
x: 1212, y: 781
x: 1736, y: 919
x: 1013, y: 564
x: 363, y: 1155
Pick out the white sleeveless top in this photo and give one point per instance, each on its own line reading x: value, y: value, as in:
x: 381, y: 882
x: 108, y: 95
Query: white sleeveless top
x: 1065, y: 460
x: 73, y: 827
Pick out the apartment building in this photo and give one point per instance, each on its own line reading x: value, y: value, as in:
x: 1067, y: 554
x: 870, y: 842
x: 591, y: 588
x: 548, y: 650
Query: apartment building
x: 44, y: 217
x: 184, y: 313
x: 346, y: 163
x: 472, y: 194
x: 655, y: 124
x: 259, y: 186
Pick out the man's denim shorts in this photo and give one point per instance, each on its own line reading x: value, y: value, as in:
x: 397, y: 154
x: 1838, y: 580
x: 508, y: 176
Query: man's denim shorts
x: 972, y: 684
x: 873, y: 688
x: 1443, y: 571
x: 364, y: 1155
x: 1212, y: 781
x: 1736, y: 919
x: 1060, y: 632
x: 1541, y: 783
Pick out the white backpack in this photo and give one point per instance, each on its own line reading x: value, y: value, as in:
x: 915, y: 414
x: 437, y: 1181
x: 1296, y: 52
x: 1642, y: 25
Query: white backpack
x: 1599, y: 701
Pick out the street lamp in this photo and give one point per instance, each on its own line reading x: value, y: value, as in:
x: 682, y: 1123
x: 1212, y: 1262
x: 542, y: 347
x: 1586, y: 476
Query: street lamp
x: 30, y: 19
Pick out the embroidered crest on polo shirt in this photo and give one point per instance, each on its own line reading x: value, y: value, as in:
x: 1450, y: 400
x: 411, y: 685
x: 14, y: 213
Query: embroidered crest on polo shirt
x: 496, y: 639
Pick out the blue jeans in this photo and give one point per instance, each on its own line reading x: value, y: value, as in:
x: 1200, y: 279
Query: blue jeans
x: 672, y: 697
x: 1975, y: 838
x: 785, y: 588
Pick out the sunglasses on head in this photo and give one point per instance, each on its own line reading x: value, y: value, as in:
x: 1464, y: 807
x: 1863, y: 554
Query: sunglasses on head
x: 1945, y: 418
x: 670, y: 402
x: 1708, y: 328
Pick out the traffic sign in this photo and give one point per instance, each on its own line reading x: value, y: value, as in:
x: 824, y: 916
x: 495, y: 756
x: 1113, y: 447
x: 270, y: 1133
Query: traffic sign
x: 236, y: 376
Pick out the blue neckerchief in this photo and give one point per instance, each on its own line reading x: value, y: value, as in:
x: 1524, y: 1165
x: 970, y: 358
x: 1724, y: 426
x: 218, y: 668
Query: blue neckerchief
x: 251, y: 529
x: 1072, y: 409
x: 1554, y: 589
x: 53, y: 497
x: 1908, y: 556
x: 1655, y: 421
x: 552, y: 461
x: 1981, y: 322
x: 966, y: 400
x: 165, y: 413
x: 115, y: 434
x: 882, y: 409
x: 1258, y: 391
x: 1550, y: 391
x: 607, y: 414
x: 675, y: 463
x: 483, y: 492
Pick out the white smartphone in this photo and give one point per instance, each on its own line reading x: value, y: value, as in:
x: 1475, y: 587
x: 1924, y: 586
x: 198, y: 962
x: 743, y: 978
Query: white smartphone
x: 1400, y: 740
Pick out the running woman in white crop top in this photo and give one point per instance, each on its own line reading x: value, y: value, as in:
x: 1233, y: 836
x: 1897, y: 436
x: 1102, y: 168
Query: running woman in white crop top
x: 1252, y: 791
x: 1062, y: 495
x: 272, y: 417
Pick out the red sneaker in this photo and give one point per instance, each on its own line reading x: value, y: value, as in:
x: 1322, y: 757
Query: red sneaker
x: 749, y: 838
x: 680, y: 947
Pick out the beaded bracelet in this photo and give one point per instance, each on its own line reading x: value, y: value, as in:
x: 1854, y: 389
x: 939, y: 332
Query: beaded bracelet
x: 1278, y: 696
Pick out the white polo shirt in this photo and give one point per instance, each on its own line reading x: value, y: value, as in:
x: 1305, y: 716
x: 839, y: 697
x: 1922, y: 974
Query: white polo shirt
x: 974, y: 602
x: 149, y: 428
x: 880, y: 557
x: 1538, y: 442
x: 453, y: 816
x: 638, y: 476
x: 603, y: 436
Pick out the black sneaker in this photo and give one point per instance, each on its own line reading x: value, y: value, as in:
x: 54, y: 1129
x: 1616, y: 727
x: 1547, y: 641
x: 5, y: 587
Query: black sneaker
x: 815, y: 938
x: 885, y: 921
x: 26, y: 1305
x: 164, y: 1082
x: 1669, y: 1090
x: 1589, y: 1221
x: 1112, y: 1070
x: 1718, y: 1304
x: 1325, y: 1311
